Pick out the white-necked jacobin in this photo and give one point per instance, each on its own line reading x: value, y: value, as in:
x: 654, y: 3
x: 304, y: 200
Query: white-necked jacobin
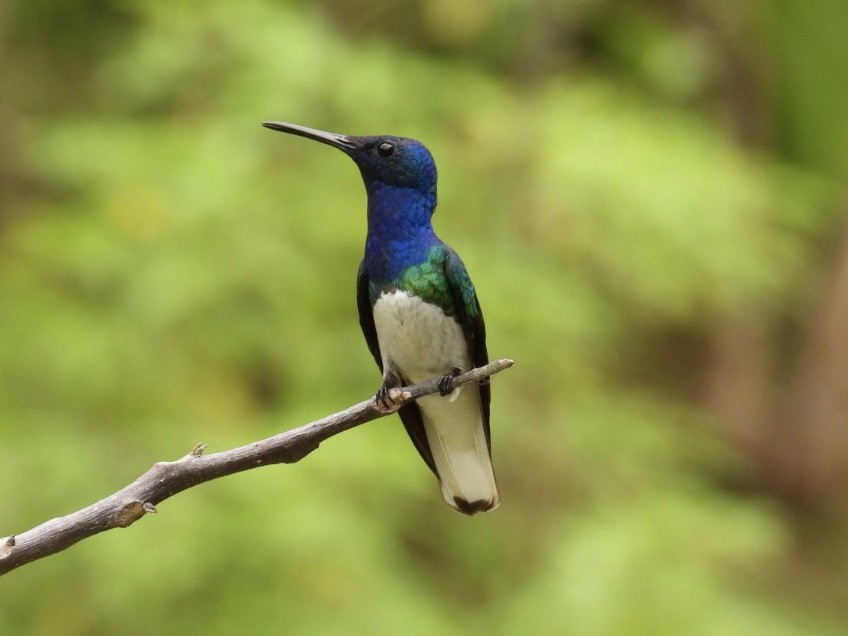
x: 419, y: 312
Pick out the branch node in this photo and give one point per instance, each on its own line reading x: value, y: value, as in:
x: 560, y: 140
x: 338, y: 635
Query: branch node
x: 197, y: 451
x: 149, y: 507
x: 7, y: 546
x: 296, y: 453
x: 129, y: 513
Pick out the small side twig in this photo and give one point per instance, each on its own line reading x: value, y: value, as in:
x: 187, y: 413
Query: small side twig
x: 166, y: 479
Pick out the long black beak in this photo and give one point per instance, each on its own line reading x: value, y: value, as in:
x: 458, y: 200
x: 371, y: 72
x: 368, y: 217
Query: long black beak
x: 342, y: 142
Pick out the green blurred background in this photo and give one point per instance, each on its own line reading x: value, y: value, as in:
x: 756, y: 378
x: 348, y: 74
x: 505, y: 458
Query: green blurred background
x: 650, y: 198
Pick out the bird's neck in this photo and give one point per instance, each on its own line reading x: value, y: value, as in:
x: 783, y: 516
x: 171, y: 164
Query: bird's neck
x: 400, y: 233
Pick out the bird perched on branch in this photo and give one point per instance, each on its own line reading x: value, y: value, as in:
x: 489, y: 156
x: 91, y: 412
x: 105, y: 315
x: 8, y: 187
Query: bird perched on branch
x: 419, y: 313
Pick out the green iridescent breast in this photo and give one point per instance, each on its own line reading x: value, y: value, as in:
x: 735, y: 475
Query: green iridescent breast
x: 433, y: 279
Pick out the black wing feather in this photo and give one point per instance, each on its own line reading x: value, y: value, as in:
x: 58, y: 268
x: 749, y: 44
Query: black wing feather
x: 471, y: 318
x: 366, y: 316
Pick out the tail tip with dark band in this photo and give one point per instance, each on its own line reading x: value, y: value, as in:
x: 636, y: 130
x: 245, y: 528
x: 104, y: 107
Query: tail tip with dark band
x: 473, y: 507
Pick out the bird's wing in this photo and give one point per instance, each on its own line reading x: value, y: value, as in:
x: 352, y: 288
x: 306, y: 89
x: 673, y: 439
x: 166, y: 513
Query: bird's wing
x: 366, y: 315
x: 471, y: 318
x: 410, y: 414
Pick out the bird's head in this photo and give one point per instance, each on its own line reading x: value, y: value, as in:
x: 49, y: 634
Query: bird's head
x: 382, y: 159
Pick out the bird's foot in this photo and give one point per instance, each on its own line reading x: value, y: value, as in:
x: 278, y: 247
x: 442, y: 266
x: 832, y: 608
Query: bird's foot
x: 446, y: 382
x: 388, y: 399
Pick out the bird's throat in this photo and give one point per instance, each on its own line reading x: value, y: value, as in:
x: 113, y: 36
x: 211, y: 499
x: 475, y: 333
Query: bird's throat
x: 400, y: 233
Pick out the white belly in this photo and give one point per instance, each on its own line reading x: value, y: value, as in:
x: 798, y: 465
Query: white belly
x: 417, y: 338
x: 418, y: 342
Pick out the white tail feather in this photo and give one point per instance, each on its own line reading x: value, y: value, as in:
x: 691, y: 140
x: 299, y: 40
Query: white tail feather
x: 457, y: 440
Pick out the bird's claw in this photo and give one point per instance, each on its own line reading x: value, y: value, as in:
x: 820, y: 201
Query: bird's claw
x: 446, y: 382
x: 388, y: 399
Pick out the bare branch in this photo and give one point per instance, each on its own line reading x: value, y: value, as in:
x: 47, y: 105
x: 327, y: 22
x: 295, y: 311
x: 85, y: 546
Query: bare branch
x: 166, y: 479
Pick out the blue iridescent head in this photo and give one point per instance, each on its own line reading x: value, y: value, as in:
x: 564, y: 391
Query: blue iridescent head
x: 383, y: 160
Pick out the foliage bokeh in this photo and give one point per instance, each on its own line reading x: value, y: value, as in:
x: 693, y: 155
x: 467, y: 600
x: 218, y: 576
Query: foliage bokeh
x: 623, y: 180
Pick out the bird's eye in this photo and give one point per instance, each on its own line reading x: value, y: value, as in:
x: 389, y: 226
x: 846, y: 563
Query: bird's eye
x: 386, y: 149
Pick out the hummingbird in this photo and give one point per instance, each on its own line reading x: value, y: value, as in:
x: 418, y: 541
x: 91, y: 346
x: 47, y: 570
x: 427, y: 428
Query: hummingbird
x: 419, y: 313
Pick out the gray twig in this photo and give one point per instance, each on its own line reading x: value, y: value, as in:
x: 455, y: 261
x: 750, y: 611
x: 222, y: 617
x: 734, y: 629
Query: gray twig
x: 166, y: 479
